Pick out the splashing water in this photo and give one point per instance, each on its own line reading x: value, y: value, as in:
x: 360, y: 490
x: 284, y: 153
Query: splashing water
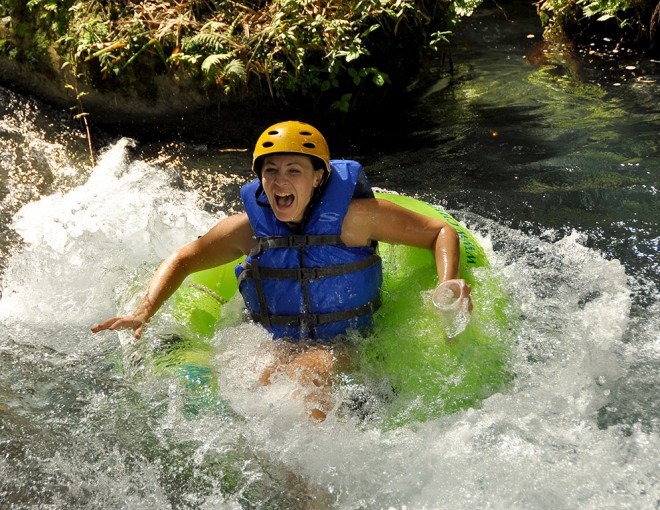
x: 573, y: 432
x: 453, y: 314
x: 84, y: 424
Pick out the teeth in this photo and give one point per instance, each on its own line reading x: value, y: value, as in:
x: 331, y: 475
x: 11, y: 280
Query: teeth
x: 284, y: 199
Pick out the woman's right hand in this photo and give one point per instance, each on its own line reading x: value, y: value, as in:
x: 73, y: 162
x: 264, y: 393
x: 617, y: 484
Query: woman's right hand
x: 226, y: 241
x: 132, y: 321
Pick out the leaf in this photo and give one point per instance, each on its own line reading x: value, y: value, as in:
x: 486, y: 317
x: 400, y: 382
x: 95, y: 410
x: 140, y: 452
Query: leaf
x: 213, y: 42
x: 213, y: 61
x: 235, y: 70
x: 369, y: 30
x: 355, y: 75
x: 343, y: 104
x: 381, y: 79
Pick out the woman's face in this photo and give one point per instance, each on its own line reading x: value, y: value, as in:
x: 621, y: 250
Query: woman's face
x: 289, y: 181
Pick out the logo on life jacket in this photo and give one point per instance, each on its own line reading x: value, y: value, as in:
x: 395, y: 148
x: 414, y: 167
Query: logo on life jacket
x: 329, y: 217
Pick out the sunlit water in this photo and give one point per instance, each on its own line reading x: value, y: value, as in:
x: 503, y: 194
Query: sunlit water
x: 84, y: 425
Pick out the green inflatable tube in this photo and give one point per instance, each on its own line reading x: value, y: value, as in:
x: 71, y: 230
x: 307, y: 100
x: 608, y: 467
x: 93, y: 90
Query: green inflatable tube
x: 431, y: 374
x: 426, y: 373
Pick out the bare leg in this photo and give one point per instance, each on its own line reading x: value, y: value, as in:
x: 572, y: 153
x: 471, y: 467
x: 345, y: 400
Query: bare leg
x: 313, y: 367
x: 314, y: 370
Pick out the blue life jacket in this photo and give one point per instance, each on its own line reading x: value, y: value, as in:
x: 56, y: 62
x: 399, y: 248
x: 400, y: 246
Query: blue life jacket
x: 308, y: 284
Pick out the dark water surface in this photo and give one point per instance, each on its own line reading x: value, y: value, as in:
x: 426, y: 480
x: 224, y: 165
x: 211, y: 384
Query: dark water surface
x: 522, y: 139
x: 552, y: 162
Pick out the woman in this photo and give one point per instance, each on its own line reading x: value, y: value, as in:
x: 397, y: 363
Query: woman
x: 310, y: 231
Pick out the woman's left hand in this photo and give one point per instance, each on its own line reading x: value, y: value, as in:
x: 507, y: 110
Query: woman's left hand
x: 465, y: 291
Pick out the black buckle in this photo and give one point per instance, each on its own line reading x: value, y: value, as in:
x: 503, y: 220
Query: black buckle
x: 308, y: 321
x: 298, y: 241
x: 307, y: 273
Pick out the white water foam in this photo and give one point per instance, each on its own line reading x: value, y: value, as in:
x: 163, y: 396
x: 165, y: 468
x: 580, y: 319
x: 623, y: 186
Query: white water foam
x: 80, y: 245
x: 538, y: 446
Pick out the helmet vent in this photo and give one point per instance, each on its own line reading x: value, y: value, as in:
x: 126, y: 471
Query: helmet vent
x: 292, y: 137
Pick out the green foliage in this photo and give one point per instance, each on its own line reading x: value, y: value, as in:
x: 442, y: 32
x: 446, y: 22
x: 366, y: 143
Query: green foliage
x: 291, y: 47
x: 464, y: 7
x: 564, y: 15
x: 603, y: 10
x: 38, y: 23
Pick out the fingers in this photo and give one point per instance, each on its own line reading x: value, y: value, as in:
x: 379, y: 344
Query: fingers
x: 116, y: 323
x: 466, y: 290
x: 105, y: 325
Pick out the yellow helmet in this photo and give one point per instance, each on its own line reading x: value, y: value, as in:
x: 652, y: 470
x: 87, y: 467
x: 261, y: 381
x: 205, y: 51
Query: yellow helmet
x: 291, y: 136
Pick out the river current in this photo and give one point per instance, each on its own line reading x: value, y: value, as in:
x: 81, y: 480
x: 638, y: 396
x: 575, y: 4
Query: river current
x: 554, y: 167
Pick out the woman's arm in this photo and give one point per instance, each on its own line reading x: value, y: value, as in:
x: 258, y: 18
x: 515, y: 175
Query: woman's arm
x: 226, y: 241
x: 380, y: 220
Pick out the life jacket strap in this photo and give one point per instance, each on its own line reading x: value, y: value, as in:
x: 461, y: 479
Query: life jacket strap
x: 258, y: 273
x: 295, y: 241
x: 255, y: 271
x: 318, y: 319
x: 305, y: 273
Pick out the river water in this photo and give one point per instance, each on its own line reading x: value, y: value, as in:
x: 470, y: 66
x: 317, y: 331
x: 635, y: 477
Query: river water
x: 553, y: 165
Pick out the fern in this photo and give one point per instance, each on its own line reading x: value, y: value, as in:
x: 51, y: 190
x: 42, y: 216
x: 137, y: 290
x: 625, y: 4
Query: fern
x: 213, y: 61
x: 211, y: 42
x: 235, y: 70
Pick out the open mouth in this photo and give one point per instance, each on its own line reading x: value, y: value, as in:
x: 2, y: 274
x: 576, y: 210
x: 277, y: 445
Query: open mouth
x: 284, y: 200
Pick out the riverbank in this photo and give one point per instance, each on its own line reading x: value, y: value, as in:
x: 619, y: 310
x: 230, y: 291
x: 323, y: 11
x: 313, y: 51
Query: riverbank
x: 189, y: 71
x: 135, y: 64
x: 182, y: 110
